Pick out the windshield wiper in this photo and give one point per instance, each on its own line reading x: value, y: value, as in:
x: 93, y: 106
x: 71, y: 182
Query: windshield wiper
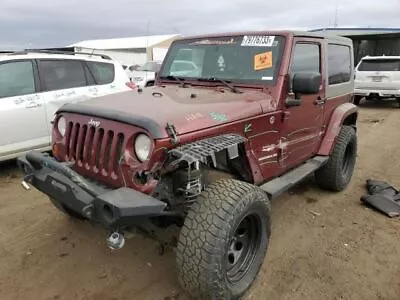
x: 224, y: 82
x: 175, y: 78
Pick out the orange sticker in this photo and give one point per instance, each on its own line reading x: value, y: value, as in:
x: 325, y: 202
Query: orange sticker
x: 263, y: 61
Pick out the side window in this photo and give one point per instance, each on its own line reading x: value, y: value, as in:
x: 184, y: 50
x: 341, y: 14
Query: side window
x: 306, y: 58
x: 16, y: 79
x: 103, y: 73
x: 339, y: 64
x: 61, y: 74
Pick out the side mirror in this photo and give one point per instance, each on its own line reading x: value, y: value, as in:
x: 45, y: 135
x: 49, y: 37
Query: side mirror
x: 291, y: 102
x: 306, y: 83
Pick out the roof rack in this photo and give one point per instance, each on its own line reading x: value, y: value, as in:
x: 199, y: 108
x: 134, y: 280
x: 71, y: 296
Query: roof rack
x: 59, y: 52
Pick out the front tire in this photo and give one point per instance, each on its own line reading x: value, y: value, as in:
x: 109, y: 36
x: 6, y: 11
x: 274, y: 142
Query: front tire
x: 337, y: 173
x: 224, y: 239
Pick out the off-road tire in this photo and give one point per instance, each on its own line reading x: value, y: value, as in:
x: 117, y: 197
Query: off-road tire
x: 357, y: 100
x: 203, y: 253
x: 66, y: 210
x: 337, y: 173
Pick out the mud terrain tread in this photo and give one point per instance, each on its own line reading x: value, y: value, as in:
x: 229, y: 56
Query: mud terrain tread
x: 203, y: 237
x: 330, y: 177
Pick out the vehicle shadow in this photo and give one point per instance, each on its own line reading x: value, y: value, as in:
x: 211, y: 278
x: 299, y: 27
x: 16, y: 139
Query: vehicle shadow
x: 8, y: 168
x: 379, y: 104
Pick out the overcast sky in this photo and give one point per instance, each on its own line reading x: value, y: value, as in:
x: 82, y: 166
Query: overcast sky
x: 51, y: 23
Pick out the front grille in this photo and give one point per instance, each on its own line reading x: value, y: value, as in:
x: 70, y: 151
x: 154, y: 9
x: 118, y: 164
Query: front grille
x: 95, y: 149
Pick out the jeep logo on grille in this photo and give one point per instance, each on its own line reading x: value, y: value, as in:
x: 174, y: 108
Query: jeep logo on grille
x: 94, y: 123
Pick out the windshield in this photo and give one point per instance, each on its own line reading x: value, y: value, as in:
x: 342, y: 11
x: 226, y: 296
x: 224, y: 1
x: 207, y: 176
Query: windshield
x: 236, y: 59
x: 150, y: 67
x: 379, y: 65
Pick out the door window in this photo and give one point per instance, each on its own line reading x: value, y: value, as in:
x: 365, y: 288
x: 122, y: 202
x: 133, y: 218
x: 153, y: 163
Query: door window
x: 306, y: 58
x: 16, y: 79
x: 61, y: 74
x: 103, y: 73
x: 339, y: 64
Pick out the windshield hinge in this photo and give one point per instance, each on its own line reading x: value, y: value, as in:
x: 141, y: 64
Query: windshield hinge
x: 172, y: 133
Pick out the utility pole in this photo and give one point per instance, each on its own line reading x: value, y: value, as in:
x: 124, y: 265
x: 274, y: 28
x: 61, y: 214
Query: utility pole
x: 147, y: 41
x: 335, y: 24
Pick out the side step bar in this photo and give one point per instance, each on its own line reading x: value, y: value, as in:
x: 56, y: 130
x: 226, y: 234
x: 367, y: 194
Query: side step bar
x: 281, y: 184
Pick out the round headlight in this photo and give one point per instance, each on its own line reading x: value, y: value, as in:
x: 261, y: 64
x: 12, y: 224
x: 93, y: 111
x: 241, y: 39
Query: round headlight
x: 61, y: 126
x: 142, y: 147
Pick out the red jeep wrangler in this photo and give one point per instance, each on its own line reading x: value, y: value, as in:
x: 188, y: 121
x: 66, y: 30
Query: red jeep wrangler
x: 233, y: 121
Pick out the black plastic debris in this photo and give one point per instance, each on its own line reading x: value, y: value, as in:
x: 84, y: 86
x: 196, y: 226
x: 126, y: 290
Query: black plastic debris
x: 383, y: 197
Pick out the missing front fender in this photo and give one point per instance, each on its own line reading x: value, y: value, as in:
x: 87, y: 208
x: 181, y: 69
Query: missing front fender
x: 206, y: 149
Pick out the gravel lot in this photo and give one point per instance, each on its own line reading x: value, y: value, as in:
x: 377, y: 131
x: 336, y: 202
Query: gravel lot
x: 323, y: 245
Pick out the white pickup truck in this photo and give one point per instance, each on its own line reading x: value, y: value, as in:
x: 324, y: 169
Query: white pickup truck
x: 34, y: 84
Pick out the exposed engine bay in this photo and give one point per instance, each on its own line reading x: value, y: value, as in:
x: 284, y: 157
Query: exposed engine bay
x: 194, y: 166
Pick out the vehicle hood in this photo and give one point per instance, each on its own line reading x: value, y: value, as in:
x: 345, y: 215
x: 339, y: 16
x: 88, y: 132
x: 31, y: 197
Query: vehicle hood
x: 188, y: 109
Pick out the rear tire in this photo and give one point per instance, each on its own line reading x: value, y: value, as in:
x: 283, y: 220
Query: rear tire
x: 224, y: 239
x: 337, y: 173
x: 357, y: 100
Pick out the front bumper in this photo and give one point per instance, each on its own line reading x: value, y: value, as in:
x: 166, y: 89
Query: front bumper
x: 113, y: 209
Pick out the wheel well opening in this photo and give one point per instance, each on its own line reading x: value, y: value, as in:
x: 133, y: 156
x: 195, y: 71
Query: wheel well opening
x: 351, y: 120
x: 237, y: 167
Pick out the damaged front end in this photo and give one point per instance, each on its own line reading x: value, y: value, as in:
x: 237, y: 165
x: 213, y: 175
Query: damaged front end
x: 112, y: 208
x: 162, y: 193
x: 190, y: 168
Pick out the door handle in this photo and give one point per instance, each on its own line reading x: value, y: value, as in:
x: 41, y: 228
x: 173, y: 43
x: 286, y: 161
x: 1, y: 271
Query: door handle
x: 319, y: 101
x: 33, y: 105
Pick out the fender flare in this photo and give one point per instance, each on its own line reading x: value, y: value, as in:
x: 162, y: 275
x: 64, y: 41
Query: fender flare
x: 339, y: 115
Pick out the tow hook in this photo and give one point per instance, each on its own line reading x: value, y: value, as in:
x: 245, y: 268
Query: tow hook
x: 116, y: 240
x: 25, y: 185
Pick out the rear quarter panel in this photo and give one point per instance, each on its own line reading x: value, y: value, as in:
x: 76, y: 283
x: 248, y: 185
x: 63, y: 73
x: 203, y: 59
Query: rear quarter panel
x: 337, y: 96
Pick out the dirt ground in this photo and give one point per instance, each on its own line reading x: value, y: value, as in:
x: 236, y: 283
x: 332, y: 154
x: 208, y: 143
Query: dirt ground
x: 323, y: 245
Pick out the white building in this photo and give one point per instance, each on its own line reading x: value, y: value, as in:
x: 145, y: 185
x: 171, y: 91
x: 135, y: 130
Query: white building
x: 131, y: 50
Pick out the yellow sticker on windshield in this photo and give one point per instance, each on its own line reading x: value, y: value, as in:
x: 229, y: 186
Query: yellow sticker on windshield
x: 263, y: 61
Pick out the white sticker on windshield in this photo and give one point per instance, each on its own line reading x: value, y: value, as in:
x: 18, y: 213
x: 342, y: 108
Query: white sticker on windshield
x: 221, y: 63
x: 258, y: 40
x: 267, y: 78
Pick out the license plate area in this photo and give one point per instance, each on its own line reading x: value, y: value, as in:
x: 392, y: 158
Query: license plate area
x: 376, y: 78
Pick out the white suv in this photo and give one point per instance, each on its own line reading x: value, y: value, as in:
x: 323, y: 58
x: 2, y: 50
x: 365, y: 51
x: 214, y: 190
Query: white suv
x: 377, y: 77
x: 34, y: 84
x: 146, y: 74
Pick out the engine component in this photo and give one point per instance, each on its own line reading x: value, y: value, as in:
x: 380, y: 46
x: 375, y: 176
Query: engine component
x: 189, y: 181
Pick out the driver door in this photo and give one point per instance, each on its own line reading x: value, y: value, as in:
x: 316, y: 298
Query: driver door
x: 303, y: 124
